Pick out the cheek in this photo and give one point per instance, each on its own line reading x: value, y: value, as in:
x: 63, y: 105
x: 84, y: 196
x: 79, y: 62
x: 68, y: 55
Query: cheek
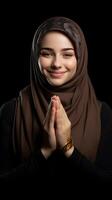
x: 72, y: 66
x: 43, y: 63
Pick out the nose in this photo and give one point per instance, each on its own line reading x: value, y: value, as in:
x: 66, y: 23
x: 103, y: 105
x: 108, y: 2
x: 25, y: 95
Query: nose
x: 56, y: 62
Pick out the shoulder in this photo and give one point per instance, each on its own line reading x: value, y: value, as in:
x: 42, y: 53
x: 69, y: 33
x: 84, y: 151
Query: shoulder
x: 7, y: 109
x: 104, y: 154
x: 106, y: 116
x: 106, y: 109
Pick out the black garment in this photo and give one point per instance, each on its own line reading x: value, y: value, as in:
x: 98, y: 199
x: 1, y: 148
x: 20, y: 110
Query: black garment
x: 57, y: 166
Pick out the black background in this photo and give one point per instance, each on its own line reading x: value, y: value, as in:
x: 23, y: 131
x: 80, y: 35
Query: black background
x: 18, y: 24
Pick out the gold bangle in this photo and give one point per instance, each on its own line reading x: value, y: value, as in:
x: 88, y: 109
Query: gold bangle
x: 68, y: 145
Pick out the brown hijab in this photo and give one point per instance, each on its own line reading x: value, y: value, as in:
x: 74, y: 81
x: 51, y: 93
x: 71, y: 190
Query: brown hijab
x: 77, y: 96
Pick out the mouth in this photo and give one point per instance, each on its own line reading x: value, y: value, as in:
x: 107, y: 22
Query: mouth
x: 56, y: 74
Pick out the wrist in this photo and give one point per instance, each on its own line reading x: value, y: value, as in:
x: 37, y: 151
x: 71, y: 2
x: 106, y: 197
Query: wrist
x: 69, y: 152
x: 46, y: 152
x: 68, y: 148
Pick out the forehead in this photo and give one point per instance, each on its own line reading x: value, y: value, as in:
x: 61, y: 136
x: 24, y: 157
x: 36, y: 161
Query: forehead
x: 56, y: 38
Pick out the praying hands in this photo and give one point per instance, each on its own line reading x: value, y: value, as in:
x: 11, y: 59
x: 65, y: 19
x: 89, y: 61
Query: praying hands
x: 57, y: 129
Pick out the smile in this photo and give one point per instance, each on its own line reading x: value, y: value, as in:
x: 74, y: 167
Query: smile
x: 56, y: 74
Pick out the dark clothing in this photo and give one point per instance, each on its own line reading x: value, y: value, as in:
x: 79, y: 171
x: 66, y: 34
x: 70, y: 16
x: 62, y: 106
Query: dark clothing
x: 37, y: 167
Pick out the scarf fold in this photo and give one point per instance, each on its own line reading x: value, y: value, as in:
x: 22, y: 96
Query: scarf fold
x: 77, y: 96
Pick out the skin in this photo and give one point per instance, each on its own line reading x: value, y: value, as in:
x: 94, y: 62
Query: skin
x: 58, y: 63
x: 57, y: 60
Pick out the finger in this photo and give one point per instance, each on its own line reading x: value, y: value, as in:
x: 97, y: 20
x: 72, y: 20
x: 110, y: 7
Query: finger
x: 58, y: 102
x: 61, y: 112
x: 47, y: 118
x: 53, y: 97
x: 52, y: 116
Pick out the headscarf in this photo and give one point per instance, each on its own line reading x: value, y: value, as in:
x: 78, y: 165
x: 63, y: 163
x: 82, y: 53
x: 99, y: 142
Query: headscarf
x: 77, y: 96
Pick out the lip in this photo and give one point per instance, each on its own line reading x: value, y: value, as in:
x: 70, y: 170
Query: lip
x: 56, y: 74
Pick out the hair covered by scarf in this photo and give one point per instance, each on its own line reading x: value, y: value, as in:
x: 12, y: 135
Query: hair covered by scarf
x: 77, y: 96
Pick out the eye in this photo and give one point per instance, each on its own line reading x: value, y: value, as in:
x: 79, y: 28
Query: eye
x: 45, y: 54
x: 68, y: 55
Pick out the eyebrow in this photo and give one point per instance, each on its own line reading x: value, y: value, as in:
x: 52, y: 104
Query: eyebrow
x: 50, y: 49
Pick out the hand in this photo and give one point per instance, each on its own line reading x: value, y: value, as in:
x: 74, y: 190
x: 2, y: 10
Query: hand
x: 49, y: 138
x: 57, y: 128
x: 63, y: 124
x: 63, y: 127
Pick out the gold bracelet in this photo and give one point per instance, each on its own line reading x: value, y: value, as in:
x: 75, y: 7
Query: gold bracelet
x: 68, y: 145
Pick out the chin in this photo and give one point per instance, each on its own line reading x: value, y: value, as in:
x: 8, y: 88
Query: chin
x: 56, y: 83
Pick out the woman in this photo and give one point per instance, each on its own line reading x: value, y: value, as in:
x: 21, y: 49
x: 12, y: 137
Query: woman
x: 57, y: 125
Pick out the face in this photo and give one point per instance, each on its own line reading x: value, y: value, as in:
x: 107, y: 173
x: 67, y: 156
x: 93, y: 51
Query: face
x: 57, y: 59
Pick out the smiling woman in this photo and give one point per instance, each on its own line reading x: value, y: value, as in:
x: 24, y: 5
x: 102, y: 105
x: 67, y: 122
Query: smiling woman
x: 56, y: 128
x: 57, y: 60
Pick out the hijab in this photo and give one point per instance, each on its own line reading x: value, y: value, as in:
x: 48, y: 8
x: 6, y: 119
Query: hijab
x: 77, y: 96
